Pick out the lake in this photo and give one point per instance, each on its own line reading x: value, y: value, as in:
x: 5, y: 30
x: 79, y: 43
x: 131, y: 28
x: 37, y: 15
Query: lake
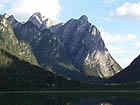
x: 67, y: 98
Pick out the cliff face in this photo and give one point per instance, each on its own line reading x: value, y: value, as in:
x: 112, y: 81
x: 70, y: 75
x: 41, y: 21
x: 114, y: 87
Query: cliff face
x: 75, y: 45
x: 87, y: 50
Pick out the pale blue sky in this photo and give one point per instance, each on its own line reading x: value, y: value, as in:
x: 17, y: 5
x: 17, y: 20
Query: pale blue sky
x: 118, y: 20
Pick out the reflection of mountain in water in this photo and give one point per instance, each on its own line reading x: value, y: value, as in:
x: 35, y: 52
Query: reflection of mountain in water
x: 71, y: 99
x: 105, y: 104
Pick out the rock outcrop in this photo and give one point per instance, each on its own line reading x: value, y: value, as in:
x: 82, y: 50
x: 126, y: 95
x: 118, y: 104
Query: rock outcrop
x: 37, y: 19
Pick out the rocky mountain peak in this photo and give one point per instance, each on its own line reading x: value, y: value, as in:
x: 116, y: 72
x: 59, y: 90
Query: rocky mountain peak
x: 14, y: 22
x: 37, y: 14
x: 11, y: 19
x: 6, y: 15
x: 83, y: 18
x: 46, y: 24
x: 36, y: 19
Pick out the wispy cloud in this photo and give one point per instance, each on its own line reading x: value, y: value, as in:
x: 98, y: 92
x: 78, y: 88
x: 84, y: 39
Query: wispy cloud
x: 126, y: 61
x: 1, y: 7
x: 137, y: 44
x: 107, y: 19
x: 116, y: 49
x: 129, y: 11
x: 4, y: 1
x: 23, y: 9
x: 116, y: 38
x: 108, y: 1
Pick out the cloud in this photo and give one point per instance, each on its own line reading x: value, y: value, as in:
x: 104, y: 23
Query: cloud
x: 23, y: 9
x: 129, y: 11
x: 125, y: 61
x: 137, y: 43
x: 1, y: 7
x: 120, y: 46
x: 4, y: 1
x: 107, y: 19
x: 116, y: 50
x: 108, y: 1
x: 117, y: 38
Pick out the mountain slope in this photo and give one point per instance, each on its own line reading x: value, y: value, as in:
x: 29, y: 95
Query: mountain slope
x: 129, y: 74
x: 10, y: 42
x: 84, y: 45
x: 18, y: 75
x: 50, y: 54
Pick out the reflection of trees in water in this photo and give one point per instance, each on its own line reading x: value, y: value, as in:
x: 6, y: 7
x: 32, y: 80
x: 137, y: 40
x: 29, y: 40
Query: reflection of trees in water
x: 68, y: 99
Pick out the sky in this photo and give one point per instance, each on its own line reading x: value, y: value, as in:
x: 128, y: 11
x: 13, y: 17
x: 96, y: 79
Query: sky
x: 117, y: 20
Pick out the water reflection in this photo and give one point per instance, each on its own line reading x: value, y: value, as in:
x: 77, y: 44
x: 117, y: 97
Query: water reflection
x: 105, y: 104
x: 71, y: 99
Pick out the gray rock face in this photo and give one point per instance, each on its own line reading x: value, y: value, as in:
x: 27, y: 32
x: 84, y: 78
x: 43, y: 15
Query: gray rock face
x: 56, y: 27
x: 6, y: 15
x: 14, y: 22
x: 27, y: 31
x: 87, y: 50
x: 46, y: 24
x: 84, y: 19
x: 37, y: 19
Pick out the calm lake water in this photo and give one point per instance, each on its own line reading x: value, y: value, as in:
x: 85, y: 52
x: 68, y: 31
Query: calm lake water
x: 70, y: 98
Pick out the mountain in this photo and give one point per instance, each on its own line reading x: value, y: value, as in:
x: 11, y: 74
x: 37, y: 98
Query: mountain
x: 73, y: 49
x: 85, y: 47
x: 129, y: 74
x: 56, y: 57
x: 17, y: 74
x: 47, y: 49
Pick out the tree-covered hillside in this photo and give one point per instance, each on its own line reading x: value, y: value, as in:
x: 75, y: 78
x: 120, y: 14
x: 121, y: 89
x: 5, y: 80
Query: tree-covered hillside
x: 16, y: 74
